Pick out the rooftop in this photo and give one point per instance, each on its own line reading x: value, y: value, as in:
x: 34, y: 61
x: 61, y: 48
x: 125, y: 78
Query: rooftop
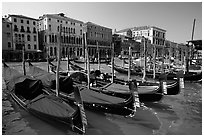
x: 91, y: 23
x: 60, y: 16
x: 139, y: 28
x: 21, y: 16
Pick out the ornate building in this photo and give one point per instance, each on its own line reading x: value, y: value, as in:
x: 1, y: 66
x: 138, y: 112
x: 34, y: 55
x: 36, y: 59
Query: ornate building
x: 7, y: 40
x: 71, y: 39
x: 24, y: 34
x: 154, y: 34
x: 100, y: 36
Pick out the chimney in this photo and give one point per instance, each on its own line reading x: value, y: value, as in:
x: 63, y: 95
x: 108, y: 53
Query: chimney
x: 61, y: 14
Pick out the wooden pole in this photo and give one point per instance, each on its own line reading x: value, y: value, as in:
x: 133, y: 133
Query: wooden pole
x: 144, y: 70
x: 162, y: 66
x: 193, y: 29
x: 129, y: 63
x: 190, y: 46
x: 85, y: 56
x: 154, y: 62
x: 48, y: 68
x: 184, y: 64
x: 98, y: 51
x: 23, y: 59
x: 112, y: 62
x: 87, y: 59
x: 58, y: 62
x: 68, y: 69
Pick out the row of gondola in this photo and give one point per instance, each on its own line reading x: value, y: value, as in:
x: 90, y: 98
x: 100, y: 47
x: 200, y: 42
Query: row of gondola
x: 36, y: 93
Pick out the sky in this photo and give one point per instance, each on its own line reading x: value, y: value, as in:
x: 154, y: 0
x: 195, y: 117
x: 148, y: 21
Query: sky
x: 175, y: 17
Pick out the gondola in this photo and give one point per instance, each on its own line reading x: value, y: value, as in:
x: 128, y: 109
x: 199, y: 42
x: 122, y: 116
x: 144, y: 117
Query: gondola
x: 31, y: 95
x: 173, y: 87
x: 170, y: 76
x: 146, y: 93
x: 93, y: 100
x: 93, y: 62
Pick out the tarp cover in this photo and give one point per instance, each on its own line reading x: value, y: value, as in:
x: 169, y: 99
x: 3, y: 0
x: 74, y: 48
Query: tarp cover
x: 31, y: 89
x: 28, y: 88
x: 49, y: 80
x: 52, y: 106
x: 125, y: 89
x: 22, y: 85
x: 91, y: 96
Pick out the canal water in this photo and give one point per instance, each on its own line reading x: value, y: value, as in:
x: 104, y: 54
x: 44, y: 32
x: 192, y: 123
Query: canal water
x: 174, y: 115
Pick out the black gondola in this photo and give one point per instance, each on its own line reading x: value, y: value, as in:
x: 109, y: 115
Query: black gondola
x: 173, y: 87
x: 144, y: 92
x: 31, y: 95
x: 92, y: 100
x: 170, y: 76
x: 93, y: 62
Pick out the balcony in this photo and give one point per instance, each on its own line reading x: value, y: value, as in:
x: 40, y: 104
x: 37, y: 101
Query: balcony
x: 28, y: 31
x: 34, y: 32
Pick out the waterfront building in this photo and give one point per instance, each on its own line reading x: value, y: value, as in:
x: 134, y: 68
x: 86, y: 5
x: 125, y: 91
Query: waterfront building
x: 71, y: 39
x: 195, y: 51
x: 156, y: 36
x: 24, y: 34
x: 176, y: 51
x: 7, y: 40
x: 122, y: 44
x: 100, y: 36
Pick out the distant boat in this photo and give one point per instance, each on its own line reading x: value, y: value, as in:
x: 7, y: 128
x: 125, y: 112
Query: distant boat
x: 170, y: 76
x: 81, y: 61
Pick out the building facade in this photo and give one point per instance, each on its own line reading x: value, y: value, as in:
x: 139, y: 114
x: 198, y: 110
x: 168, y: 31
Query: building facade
x: 7, y: 40
x: 58, y: 30
x: 156, y: 36
x: 24, y: 34
x: 122, y: 44
x: 98, y: 36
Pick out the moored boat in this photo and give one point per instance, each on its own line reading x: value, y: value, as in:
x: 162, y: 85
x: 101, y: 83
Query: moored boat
x: 173, y: 86
x: 170, y: 76
x: 31, y: 95
x: 92, y: 99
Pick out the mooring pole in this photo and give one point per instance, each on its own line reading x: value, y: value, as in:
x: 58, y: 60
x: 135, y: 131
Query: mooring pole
x: 23, y: 59
x: 112, y: 62
x: 154, y: 62
x: 129, y: 63
x: 144, y: 70
x: 58, y: 62
x: 98, y: 51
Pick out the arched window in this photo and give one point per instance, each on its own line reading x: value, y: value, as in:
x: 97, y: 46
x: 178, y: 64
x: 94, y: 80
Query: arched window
x: 15, y: 28
x: 69, y: 30
x: 28, y: 38
x: 56, y: 38
x: 55, y: 51
x: 53, y: 38
x: 51, y: 51
x: 66, y: 30
x: 34, y: 30
x: 29, y: 46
